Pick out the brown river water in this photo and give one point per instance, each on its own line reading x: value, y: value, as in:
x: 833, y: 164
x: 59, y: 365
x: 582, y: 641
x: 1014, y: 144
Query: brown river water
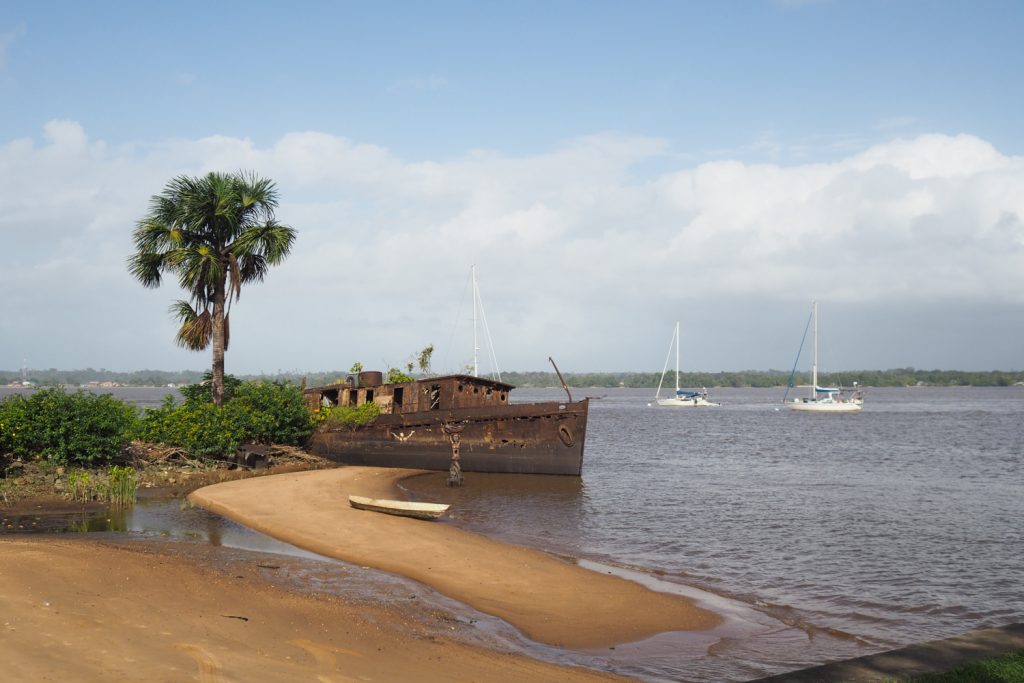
x: 819, y: 537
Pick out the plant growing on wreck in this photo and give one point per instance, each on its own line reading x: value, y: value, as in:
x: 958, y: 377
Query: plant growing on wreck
x: 215, y: 233
x: 351, y: 417
x: 423, y: 359
x: 396, y: 376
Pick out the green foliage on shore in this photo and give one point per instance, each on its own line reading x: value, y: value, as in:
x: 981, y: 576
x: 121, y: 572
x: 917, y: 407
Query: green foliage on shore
x: 203, y: 429
x: 257, y: 412
x: 1005, y: 669
x: 120, y: 486
x: 202, y: 392
x: 350, y: 417
x: 82, y: 428
x: 116, y: 486
x: 89, y: 430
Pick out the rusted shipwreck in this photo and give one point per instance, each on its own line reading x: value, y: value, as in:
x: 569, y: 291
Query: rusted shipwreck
x: 422, y: 422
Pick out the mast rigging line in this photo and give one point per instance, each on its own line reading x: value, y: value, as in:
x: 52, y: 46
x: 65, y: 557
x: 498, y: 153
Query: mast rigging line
x: 668, y: 354
x: 477, y: 301
x: 487, y: 330
x: 792, y: 373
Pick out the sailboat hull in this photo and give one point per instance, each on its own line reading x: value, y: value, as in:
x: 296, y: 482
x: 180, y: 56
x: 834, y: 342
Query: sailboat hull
x: 687, y: 402
x: 825, y: 406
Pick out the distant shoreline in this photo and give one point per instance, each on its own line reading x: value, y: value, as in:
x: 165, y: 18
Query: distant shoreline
x: 899, y: 377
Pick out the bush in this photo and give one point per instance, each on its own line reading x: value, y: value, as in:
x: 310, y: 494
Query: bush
x: 260, y: 412
x: 275, y: 412
x: 202, y: 392
x: 66, y: 429
x: 203, y: 429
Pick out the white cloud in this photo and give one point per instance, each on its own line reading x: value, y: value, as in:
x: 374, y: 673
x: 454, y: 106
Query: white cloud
x: 7, y: 41
x: 576, y: 256
x: 895, y: 122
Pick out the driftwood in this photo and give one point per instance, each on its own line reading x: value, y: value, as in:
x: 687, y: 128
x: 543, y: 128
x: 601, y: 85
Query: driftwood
x: 148, y: 453
x: 248, y: 456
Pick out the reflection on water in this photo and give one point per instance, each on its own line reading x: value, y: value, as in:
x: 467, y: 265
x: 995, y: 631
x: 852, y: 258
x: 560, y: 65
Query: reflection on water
x: 159, y: 518
x: 504, y: 504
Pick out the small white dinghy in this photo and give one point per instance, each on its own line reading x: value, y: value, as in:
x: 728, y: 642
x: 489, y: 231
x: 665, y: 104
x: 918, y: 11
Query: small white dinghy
x: 402, y: 508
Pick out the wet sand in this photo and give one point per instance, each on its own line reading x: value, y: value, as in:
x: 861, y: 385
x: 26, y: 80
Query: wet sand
x: 548, y: 599
x: 79, y: 610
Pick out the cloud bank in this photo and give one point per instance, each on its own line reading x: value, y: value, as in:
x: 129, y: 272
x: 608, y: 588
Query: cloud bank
x: 580, y: 254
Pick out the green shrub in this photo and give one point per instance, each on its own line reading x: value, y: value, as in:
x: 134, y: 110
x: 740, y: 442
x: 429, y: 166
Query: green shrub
x: 261, y: 412
x: 202, y: 392
x: 203, y: 429
x: 66, y: 429
x: 351, y: 417
x: 13, y: 424
x: 274, y: 411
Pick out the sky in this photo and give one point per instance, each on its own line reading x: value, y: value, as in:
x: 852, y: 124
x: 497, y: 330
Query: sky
x: 610, y: 168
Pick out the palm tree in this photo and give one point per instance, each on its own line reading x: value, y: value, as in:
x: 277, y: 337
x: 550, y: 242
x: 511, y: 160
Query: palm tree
x: 216, y: 233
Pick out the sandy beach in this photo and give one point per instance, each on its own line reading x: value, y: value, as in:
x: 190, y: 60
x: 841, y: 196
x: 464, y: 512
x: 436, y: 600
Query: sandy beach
x: 79, y: 610
x: 83, y: 610
x: 547, y: 598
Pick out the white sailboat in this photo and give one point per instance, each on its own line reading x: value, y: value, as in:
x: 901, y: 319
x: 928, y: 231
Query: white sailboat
x: 682, y: 399
x: 824, y: 399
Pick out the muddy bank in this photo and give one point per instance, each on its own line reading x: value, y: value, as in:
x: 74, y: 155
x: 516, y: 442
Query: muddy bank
x: 165, y: 472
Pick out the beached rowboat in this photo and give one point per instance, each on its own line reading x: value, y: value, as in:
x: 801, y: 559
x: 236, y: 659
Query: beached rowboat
x: 402, y: 508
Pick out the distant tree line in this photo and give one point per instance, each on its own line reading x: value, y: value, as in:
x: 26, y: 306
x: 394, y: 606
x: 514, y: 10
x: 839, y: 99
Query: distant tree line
x: 74, y: 378
x: 897, y: 377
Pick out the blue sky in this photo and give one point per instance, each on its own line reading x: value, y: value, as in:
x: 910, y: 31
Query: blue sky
x: 774, y: 151
x: 434, y: 80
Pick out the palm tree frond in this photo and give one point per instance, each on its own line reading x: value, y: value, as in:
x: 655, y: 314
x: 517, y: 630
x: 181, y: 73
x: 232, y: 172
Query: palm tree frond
x: 234, y: 277
x: 196, y: 328
x: 146, y: 267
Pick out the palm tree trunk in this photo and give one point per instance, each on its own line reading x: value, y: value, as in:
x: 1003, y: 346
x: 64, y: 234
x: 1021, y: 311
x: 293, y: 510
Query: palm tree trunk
x: 218, y: 343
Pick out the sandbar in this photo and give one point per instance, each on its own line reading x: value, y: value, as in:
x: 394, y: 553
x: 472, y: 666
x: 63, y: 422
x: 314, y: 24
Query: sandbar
x: 550, y: 600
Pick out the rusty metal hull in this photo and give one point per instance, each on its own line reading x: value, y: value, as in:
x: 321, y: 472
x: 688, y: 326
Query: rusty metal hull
x: 528, y: 438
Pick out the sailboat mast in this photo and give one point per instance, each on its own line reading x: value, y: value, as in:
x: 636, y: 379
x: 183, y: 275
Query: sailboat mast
x: 814, y: 365
x: 476, y: 345
x: 677, y: 358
